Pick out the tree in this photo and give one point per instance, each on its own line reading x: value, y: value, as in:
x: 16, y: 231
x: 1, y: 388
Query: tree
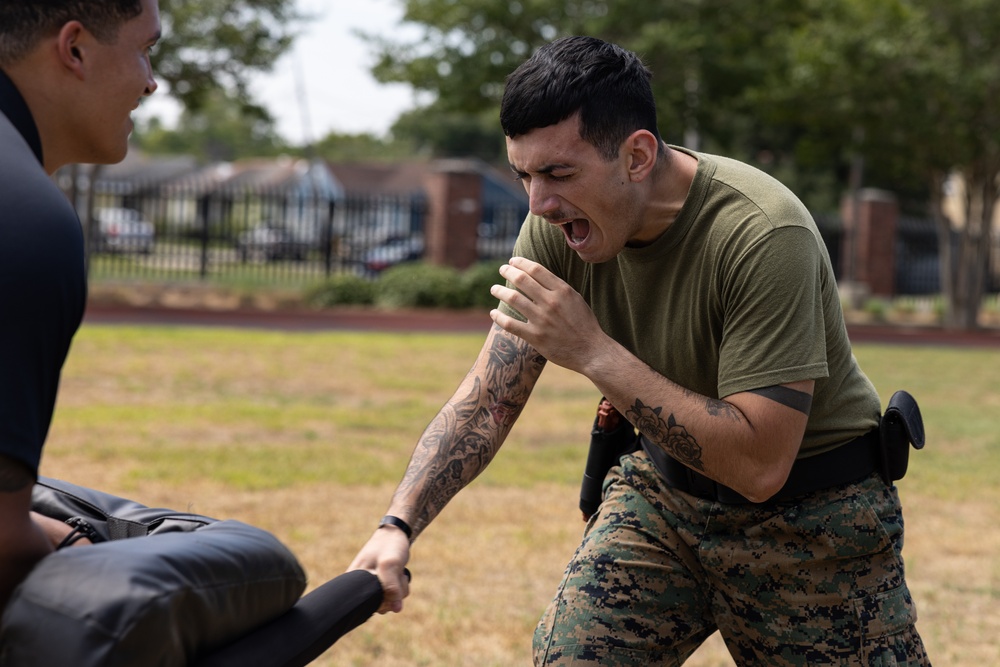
x: 468, y: 47
x: 440, y: 133
x: 910, y: 87
x: 338, y: 147
x: 966, y: 34
x: 703, y: 52
x: 895, y: 93
x: 710, y: 59
x: 706, y: 56
x: 214, y: 45
x: 209, y: 51
x: 219, y: 129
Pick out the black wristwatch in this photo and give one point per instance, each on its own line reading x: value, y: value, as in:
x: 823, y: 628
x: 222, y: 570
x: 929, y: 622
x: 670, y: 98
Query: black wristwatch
x: 81, y: 529
x: 390, y: 520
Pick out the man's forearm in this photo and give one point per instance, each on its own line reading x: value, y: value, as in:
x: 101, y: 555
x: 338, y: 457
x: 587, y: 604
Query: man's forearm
x: 19, y: 553
x: 453, y: 450
x: 468, y: 432
x: 22, y: 541
x: 747, y: 441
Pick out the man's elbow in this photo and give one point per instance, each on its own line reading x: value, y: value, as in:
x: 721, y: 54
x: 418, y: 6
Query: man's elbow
x: 765, y: 483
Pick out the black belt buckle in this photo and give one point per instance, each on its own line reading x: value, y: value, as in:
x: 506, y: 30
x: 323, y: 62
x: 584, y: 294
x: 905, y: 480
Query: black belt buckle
x: 901, y: 425
x: 701, y: 486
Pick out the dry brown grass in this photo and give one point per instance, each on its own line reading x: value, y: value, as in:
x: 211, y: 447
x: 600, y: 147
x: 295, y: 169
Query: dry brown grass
x: 487, y: 567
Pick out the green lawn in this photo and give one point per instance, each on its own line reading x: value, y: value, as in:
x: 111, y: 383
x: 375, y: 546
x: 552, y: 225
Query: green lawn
x: 306, y: 434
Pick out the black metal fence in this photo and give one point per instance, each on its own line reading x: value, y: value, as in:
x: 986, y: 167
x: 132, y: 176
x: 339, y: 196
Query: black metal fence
x: 261, y: 236
x: 917, y: 257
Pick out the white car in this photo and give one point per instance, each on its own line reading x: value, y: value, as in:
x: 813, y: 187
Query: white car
x: 122, y: 230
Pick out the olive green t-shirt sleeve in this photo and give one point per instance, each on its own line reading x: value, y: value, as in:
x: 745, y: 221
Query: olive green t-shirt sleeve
x: 774, y: 329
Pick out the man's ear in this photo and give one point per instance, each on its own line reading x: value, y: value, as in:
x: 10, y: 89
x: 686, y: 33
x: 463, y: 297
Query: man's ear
x: 71, y: 47
x: 642, y: 149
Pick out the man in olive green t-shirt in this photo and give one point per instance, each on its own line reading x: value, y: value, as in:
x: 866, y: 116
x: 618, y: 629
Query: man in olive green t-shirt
x: 696, y: 294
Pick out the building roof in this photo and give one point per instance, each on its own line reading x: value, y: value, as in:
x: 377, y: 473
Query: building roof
x: 333, y: 180
x: 410, y: 177
x: 383, y: 178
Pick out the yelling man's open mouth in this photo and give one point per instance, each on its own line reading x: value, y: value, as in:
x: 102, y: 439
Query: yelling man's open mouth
x: 576, y: 231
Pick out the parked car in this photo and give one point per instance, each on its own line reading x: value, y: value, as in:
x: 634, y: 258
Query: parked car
x: 122, y: 230
x: 394, y: 251
x: 271, y: 242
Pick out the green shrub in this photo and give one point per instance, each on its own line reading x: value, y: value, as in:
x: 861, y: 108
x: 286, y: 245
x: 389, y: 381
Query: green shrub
x: 905, y: 306
x: 877, y: 308
x: 341, y: 290
x: 420, y: 285
x: 477, y: 280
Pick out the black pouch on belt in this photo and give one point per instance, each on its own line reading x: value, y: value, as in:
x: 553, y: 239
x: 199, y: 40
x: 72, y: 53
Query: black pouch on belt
x: 901, y: 425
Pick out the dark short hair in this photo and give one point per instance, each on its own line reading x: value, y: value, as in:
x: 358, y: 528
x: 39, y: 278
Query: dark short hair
x: 607, y: 84
x: 24, y: 22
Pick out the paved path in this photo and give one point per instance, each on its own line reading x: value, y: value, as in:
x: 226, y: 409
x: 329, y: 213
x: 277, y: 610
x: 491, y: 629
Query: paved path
x: 358, y: 319
x: 364, y: 319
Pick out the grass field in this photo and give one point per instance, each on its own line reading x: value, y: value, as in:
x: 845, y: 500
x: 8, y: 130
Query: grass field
x: 306, y: 435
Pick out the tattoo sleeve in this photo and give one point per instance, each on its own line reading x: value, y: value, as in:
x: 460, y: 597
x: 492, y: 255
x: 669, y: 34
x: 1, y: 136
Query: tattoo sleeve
x: 466, y: 434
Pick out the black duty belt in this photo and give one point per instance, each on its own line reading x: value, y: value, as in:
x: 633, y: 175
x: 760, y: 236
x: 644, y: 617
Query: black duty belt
x: 847, y: 463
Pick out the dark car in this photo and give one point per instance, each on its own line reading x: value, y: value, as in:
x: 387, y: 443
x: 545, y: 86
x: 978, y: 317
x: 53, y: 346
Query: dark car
x: 394, y: 251
x: 271, y: 242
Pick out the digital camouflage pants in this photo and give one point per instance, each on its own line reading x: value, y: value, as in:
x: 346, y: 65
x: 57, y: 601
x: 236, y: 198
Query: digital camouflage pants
x: 814, y: 582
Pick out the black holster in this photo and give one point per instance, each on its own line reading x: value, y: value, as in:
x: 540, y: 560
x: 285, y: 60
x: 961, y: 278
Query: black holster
x: 606, y: 448
x: 901, y: 426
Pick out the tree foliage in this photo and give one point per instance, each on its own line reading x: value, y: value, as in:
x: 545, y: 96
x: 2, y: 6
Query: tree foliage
x: 706, y: 56
x: 212, y: 45
x: 802, y: 88
x: 911, y: 86
x: 217, y: 130
x: 968, y: 137
x: 468, y: 47
x: 339, y: 147
x: 440, y: 133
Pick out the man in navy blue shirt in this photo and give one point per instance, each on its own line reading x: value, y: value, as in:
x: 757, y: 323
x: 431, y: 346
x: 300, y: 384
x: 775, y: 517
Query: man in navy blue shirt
x: 71, y: 73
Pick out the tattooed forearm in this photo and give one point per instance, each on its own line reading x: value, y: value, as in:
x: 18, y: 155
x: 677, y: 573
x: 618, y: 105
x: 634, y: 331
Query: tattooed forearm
x: 670, y: 435
x: 465, y: 436
x: 451, y: 452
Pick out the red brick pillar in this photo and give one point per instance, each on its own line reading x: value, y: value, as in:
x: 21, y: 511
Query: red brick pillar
x: 455, y: 207
x: 869, y: 250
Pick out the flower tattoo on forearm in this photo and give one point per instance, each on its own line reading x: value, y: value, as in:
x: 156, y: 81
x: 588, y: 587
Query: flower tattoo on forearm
x: 668, y: 434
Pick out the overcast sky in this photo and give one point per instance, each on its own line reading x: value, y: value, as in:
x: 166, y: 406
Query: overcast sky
x: 328, y: 67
